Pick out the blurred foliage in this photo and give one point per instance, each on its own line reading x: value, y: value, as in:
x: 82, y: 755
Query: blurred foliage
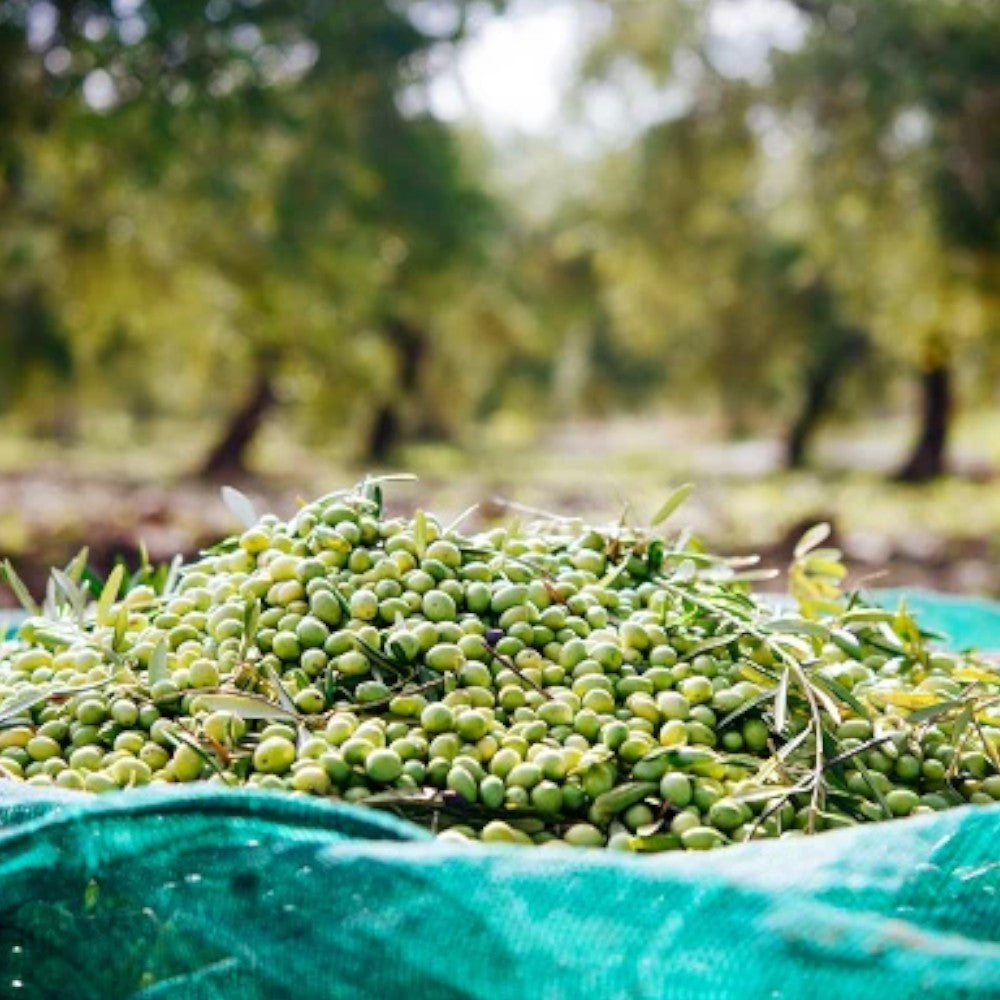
x: 232, y: 190
x: 221, y: 209
x: 778, y: 223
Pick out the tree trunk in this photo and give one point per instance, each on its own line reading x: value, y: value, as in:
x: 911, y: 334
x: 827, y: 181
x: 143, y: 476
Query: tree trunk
x: 820, y: 383
x: 410, y: 344
x: 927, y: 460
x: 814, y: 405
x: 228, y: 457
x: 384, y: 435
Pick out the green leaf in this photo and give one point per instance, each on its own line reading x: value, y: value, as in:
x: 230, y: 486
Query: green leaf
x: 158, y: 669
x: 738, y: 713
x: 345, y: 608
x: 847, y: 642
x: 616, y: 571
x: 672, y: 503
x: 793, y: 744
x: 870, y: 615
x: 394, y: 477
x: 284, y: 698
x: 797, y: 626
x: 21, y: 592
x: 144, y: 564
x: 246, y: 706
x: 251, y: 622
x: 230, y: 544
x: 178, y: 737
x: 377, y: 656
x: 371, y: 490
x: 829, y: 555
x: 763, y: 794
x: 890, y: 639
x: 76, y: 566
x: 52, y: 635
x: 173, y: 575
x: 755, y: 575
x: 75, y: 598
x: 420, y: 532
x: 654, y: 557
x: 121, y: 626
x: 781, y: 701
x: 467, y: 513
x: 18, y: 706
x: 709, y: 644
x: 109, y: 595
x: 240, y: 505
x: 824, y: 567
x: 827, y: 702
x: 814, y: 537
x: 873, y: 786
x: 844, y: 693
x: 962, y: 723
x: 931, y: 712
x: 781, y: 644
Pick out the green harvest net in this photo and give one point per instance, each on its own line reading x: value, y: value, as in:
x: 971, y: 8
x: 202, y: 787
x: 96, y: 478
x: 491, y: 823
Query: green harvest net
x: 234, y: 894
x: 243, y: 895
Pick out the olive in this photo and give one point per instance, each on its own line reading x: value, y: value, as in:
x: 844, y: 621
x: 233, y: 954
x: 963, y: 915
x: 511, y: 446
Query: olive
x: 555, y: 671
x: 274, y: 755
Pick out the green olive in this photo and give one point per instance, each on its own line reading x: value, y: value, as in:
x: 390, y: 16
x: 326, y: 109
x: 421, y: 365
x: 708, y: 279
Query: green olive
x: 702, y: 838
x: 443, y: 657
x: 383, y: 766
x: 312, y: 779
x: 439, y: 606
x: 902, y: 801
x: 274, y: 755
x: 188, y: 764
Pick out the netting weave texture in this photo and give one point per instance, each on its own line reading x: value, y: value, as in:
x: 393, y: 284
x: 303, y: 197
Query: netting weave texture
x: 218, y: 894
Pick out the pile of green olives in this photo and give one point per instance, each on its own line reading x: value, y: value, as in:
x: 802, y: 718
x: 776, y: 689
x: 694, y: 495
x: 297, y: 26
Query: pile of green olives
x: 555, y: 684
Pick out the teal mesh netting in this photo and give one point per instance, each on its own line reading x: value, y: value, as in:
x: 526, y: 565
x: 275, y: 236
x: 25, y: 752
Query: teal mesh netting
x: 231, y: 894
x: 964, y: 622
x: 227, y: 895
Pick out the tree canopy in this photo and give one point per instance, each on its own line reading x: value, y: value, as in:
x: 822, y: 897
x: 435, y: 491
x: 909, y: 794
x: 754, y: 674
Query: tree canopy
x: 213, y: 209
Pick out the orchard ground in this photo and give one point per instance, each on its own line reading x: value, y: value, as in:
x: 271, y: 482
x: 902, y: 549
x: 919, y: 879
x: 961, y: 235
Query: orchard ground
x: 945, y: 535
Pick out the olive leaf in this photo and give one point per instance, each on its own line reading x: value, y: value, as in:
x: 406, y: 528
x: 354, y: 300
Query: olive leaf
x: 284, y: 698
x: 109, y: 595
x: 77, y: 565
x: 797, y: 626
x: 240, y: 505
x: 179, y: 738
x: 844, y: 693
x: 420, y: 532
x: 251, y: 623
x: 462, y: 518
x: 121, y: 626
x: 158, y: 669
x: 246, y: 706
x: 781, y: 701
x: 371, y: 490
x: 173, y: 576
x: 75, y: 599
x: 21, y: 592
x: 16, y: 707
x: 813, y: 538
x: 671, y: 504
